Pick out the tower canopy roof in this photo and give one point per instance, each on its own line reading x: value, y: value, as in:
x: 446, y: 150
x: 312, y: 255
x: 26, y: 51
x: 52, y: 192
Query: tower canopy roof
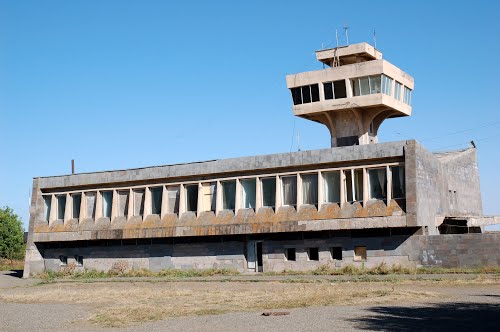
x: 350, y: 54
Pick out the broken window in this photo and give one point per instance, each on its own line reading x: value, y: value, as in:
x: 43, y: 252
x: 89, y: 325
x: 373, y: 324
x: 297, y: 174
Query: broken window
x: 290, y: 254
x: 156, y: 197
x: 269, y: 192
x: 397, y: 90
x: 192, y: 197
x: 310, y: 189
x: 79, y: 260
x: 407, y: 96
x: 398, y: 182
x: 77, y: 201
x: 138, y: 202
x: 63, y: 260
x: 360, y: 253
x: 332, y: 187
x: 387, y: 85
x: 337, y: 253
x: 289, y: 186
x: 107, y: 203
x: 305, y: 94
x: 313, y: 254
x: 61, y: 206
x: 208, y: 190
x: 47, y: 200
x: 248, y: 193
x: 354, y: 185
x: 173, y: 199
x: 377, y: 179
x: 90, y: 203
x: 228, y: 195
x: 123, y: 203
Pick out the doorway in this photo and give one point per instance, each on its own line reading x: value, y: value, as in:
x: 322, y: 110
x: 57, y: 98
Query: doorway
x: 260, y: 265
x: 254, y: 256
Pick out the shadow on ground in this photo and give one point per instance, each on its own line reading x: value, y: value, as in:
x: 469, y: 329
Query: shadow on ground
x: 15, y: 273
x: 441, y: 316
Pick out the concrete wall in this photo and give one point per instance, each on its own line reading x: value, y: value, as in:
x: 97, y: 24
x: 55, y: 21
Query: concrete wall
x: 464, y: 250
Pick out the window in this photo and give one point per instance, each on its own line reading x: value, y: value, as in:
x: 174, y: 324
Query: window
x: 228, y: 195
x: 354, y: 185
x: 156, y: 197
x: 360, y: 253
x: 138, y: 202
x: 310, y: 189
x: 289, y: 186
x: 269, y: 192
x: 313, y: 254
x: 371, y: 84
x: 77, y: 201
x: 332, y: 186
x: 248, y: 193
x: 208, y: 191
x: 387, y: 85
x: 407, y: 96
x: 61, y: 206
x: 290, y: 254
x: 305, y: 94
x: 397, y: 90
x: 192, y: 197
x: 79, y: 260
x: 398, y: 182
x: 47, y: 200
x: 63, y: 260
x: 335, y: 90
x: 123, y: 203
x: 337, y: 253
x: 91, y: 202
x: 378, y: 183
x: 107, y: 203
x: 173, y: 199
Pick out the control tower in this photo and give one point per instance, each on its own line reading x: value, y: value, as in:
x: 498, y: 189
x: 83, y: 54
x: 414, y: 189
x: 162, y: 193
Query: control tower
x: 353, y: 95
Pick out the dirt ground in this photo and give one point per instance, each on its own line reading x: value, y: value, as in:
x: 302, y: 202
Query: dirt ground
x: 225, y: 304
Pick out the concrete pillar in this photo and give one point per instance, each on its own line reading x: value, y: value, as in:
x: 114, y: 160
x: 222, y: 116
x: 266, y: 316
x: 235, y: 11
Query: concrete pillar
x: 164, y: 202
x: 237, y: 200
x: 130, y: 211
x: 147, y: 202
x: 53, y: 209
x: 389, y: 184
x: 348, y: 88
x: 321, y: 190
x: 258, y: 194
x: 365, y: 187
x: 98, y: 204
x: 114, y: 205
x: 218, y: 198
x: 343, y: 184
x: 83, y: 206
x: 182, y: 200
x: 278, y: 193
x: 68, y: 209
x: 300, y: 198
x: 199, y: 207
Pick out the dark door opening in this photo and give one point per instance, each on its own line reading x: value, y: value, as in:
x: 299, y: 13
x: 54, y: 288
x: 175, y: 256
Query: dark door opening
x: 259, y: 257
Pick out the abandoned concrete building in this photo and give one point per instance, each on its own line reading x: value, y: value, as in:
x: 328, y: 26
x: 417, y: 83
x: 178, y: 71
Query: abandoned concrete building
x: 358, y: 202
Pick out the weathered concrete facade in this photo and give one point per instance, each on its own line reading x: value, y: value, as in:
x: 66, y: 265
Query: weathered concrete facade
x: 356, y: 203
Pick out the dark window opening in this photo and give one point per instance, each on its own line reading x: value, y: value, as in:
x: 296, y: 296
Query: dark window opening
x: 290, y: 254
x: 269, y: 192
x: 306, y: 94
x: 192, y: 198
x: 339, y: 89
x: 313, y: 254
x: 156, y: 198
x: 314, y: 92
x: 360, y: 253
x: 296, y: 96
x: 328, y: 88
x: 79, y: 260
x: 347, y: 141
x: 260, y: 264
x: 77, y: 201
x: 337, y: 253
x: 63, y: 260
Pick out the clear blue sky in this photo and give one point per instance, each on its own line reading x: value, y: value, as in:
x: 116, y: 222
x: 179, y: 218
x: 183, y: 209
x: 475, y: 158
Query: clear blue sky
x: 122, y: 84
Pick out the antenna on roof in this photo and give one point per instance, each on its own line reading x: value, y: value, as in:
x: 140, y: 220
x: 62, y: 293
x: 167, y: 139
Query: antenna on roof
x: 346, y: 31
x: 337, y: 37
x: 374, y: 38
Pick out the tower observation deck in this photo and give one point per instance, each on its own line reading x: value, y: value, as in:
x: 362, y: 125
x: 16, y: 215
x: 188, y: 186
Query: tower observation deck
x: 352, y: 96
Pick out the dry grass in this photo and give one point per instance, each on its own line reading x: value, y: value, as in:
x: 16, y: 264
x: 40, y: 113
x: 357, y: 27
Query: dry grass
x: 124, y: 303
x: 8, y: 265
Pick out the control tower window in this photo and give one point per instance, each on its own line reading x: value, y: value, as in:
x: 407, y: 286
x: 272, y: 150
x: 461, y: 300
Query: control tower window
x: 407, y: 96
x: 367, y: 85
x: 335, y: 90
x: 397, y: 90
x: 387, y: 85
x: 305, y: 94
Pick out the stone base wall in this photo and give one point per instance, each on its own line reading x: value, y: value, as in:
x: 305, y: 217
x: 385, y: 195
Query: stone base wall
x: 452, y: 250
